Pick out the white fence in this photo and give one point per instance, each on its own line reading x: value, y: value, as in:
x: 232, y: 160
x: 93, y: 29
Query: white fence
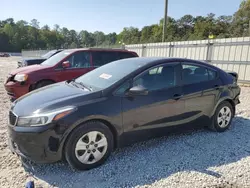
x: 34, y: 53
x: 229, y: 54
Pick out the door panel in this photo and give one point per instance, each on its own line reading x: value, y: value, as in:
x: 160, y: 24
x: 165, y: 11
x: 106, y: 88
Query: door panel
x: 211, y: 94
x: 68, y: 74
x: 200, y: 93
x: 162, y: 107
x: 157, y: 109
x: 194, y: 101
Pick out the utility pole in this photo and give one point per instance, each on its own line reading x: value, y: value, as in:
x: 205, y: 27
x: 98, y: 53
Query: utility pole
x: 249, y: 28
x: 165, y: 21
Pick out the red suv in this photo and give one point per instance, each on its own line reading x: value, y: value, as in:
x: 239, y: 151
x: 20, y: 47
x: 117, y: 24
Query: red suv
x: 65, y: 65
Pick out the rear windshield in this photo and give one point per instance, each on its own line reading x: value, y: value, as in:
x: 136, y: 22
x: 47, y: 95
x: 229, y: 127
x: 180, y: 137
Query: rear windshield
x: 48, y: 54
x: 56, y: 58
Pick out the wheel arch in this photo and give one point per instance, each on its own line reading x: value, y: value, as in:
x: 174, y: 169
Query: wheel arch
x: 33, y: 86
x: 105, y: 122
x: 225, y: 99
x: 232, y: 103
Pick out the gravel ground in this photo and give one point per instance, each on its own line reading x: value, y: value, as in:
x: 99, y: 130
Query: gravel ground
x: 197, y: 158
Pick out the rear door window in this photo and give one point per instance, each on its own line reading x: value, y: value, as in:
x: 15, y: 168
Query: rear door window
x: 192, y: 74
x: 212, y: 74
x: 102, y: 58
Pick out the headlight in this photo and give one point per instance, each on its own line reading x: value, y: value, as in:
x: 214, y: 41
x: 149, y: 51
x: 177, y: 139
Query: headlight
x: 44, y: 118
x: 32, y: 121
x: 21, y: 77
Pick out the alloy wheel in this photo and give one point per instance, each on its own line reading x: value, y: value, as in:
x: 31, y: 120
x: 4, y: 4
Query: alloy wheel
x: 224, y: 117
x: 91, y: 147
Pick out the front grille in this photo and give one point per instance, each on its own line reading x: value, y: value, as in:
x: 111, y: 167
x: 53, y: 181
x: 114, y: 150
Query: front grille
x: 12, y: 118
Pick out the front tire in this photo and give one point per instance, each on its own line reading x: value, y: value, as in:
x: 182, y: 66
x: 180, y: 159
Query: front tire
x: 223, y: 117
x: 89, y: 146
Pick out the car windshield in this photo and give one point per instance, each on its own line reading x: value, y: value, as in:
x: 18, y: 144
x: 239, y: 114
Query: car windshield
x: 106, y: 75
x: 48, y: 54
x: 56, y: 58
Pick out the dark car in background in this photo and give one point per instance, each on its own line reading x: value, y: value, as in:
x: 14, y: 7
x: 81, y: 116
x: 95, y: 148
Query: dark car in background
x: 65, y: 65
x: 118, y: 104
x: 4, y: 55
x: 37, y: 60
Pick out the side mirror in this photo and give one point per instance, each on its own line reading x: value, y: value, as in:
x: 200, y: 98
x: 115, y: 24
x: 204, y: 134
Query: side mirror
x: 66, y: 64
x: 137, y: 90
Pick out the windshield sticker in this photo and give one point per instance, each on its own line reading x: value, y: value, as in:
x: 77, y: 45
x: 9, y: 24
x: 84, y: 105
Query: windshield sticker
x: 105, y: 76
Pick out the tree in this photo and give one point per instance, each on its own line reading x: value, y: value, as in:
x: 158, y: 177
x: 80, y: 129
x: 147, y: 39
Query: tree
x: 221, y: 27
x: 146, y: 34
x: 99, y: 38
x: 130, y: 35
x: 111, y: 38
x: 45, y: 27
x: 73, y: 37
x: 241, y: 20
x: 185, y: 27
x: 4, y: 42
x: 86, y: 39
x: 15, y: 36
x: 34, y: 23
x: 21, y: 23
x: 56, y: 27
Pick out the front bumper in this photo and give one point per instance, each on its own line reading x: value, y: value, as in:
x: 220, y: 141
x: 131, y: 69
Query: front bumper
x: 34, y: 143
x: 15, y: 89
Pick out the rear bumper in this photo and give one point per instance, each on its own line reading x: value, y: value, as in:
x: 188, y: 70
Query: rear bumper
x: 237, y: 98
x: 15, y: 89
x: 237, y: 101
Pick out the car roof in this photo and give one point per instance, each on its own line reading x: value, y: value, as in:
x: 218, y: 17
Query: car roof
x: 151, y: 61
x: 98, y: 49
x: 157, y: 60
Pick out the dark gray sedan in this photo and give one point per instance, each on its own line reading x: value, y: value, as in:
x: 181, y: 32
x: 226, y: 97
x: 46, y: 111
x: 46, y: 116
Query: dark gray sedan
x: 117, y: 104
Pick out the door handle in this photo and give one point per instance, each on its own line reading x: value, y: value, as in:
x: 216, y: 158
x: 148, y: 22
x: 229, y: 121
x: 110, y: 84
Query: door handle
x: 177, y: 96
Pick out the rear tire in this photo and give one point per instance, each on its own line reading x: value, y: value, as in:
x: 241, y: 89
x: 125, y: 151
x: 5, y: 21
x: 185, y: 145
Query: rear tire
x: 222, y: 118
x: 89, y: 146
x: 43, y: 83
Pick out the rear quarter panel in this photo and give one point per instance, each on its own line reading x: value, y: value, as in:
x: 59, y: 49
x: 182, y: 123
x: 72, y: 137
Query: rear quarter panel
x: 230, y: 90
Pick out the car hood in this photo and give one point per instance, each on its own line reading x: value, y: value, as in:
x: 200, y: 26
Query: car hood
x: 51, y: 97
x: 29, y: 69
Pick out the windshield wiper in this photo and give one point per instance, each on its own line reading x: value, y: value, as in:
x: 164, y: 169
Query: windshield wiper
x: 73, y: 83
x: 72, y: 80
x: 77, y: 84
x: 83, y: 85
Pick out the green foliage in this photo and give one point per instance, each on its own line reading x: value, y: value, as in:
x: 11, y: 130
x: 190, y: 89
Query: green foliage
x: 15, y: 36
